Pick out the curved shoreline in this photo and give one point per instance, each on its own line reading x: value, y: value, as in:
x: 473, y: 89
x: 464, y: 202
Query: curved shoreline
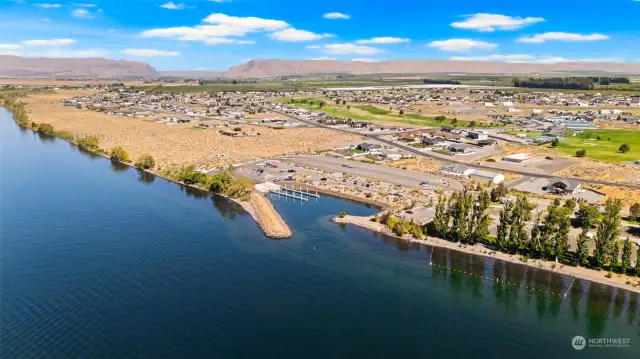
x: 617, y: 280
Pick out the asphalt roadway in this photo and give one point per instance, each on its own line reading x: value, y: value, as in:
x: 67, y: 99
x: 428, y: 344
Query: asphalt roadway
x: 382, y: 173
x: 452, y: 160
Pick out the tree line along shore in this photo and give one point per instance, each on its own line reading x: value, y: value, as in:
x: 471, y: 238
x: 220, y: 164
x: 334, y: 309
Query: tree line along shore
x: 222, y: 183
x: 542, y: 235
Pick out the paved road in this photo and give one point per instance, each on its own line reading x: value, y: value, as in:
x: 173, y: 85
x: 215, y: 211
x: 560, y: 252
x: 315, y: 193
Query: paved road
x: 382, y: 173
x: 452, y: 160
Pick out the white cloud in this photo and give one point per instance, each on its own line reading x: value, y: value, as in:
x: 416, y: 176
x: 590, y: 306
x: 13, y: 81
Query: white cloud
x: 323, y: 59
x: 363, y: 60
x: 492, y: 22
x: 461, y: 45
x: 336, y: 16
x: 172, y: 6
x: 383, y: 40
x: 149, y: 53
x: 295, y: 35
x: 347, y: 48
x: 45, y: 19
x: 81, y: 13
x: 67, y: 53
x: 522, y: 58
x: 218, y: 28
x: 247, y: 23
x: 313, y: 47
x: 85, y: 5
x: 51, y: 42
x: 48, y: 6
x: 9, y: 47
x: 561, y: 36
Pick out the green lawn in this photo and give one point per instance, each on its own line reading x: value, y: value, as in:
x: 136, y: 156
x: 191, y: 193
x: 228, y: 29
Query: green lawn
x: 375, y: 114
x: 374, y: 110
x: 605, y: 149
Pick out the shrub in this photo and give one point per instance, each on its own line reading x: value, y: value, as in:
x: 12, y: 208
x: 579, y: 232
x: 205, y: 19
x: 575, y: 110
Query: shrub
x: 65, y: 135
x: 89, y: 142
x: 548, y: 158
x: 490, y: 160
x: 342, y: 214
x: 581, y: 153
x: 119, y: 154
x: 46, y: 128
x: 555, y: 143
x: 145, y: 162
x: 624, y: 148
x: 237, y: 129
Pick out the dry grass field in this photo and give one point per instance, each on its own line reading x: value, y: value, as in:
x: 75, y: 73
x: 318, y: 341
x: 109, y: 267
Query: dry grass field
x: 181, y: 144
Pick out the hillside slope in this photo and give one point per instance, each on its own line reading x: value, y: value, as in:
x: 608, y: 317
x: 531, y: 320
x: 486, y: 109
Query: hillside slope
x: 274, y: 68
x: 16, y: 66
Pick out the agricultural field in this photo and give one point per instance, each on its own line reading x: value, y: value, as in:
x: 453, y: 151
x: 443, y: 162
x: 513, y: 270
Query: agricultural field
x: 603, y: 145
x: 364, y: 112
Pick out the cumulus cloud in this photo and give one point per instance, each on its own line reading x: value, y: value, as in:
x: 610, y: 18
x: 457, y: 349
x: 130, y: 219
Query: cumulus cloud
x: 51, y: 42
x: 9, y: 47
x: 461, y: 45
x: 218, y: 28
x: 81, y: 13
x: 336, y: 16
x: 561, y: 36
x: 383, y: 40
x: 85, y: 5
x: 150, y: 53
x: 172, y: 6
x: 48, y: 6
x: 295, y: 35
x: 492, y: 22
x: 313, y: 47
x: 348, y: 48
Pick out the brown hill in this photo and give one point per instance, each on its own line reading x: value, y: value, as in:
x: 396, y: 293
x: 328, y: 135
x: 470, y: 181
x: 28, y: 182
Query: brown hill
x: 274, y: 68
x: 16, y: 66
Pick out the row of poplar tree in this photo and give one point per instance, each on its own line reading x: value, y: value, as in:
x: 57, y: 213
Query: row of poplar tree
x: 463, y: 217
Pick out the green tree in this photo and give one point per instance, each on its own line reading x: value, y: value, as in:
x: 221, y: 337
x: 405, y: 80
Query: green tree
x: 555, y: 143
x: 634, y: 210
x: 504, y: 223
x: 549, y: 227
x: 498, y: 192
x: 401, y: 112
x: 472, y: 124
x: 145, y: 162
x: 118, y: 154
x: 581, y: 153
x: 480, y: 220
x: 587, y: 215
x: 520, y: 216
x: 561, y: 235
x: 535, y: 244
x: 441, y: 217
x: 607, y: 232
x: 582, y: 250
x: 220, y: 182
x: 626, y: 256
x: 46, y: 128
x: 624, y: 148
x: 342, y: 214
x: 460, y: 208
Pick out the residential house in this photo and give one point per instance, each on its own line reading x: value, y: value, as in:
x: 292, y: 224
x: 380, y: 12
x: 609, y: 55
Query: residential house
x: 460, y: 148
x: 369, y: 147
x: 562, y: 186
x: 456, y: 170
x: 478, y: 135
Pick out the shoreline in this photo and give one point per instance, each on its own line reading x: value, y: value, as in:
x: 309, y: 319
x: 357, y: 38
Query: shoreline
x: 347, y: 197
x: 275, y: 228
x: 616, y: 280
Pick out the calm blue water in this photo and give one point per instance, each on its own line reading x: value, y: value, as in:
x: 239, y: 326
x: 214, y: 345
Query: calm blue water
x: 98, y: 261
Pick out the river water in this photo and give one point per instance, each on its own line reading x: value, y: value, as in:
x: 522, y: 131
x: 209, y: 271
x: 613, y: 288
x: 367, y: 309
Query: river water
x: 99, y: 261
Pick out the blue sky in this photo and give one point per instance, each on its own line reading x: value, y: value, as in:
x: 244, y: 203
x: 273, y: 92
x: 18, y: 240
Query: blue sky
x: 217, y: 34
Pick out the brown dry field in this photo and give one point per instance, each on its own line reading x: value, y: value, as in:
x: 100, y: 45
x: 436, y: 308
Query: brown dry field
x: 177, y: 145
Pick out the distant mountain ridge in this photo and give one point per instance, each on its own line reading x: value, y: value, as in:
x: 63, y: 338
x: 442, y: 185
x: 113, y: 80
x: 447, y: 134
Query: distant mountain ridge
x: 275, y: 68
x: 16, y: 66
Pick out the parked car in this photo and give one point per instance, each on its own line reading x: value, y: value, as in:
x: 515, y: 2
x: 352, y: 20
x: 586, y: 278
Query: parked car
x: 348, y: 166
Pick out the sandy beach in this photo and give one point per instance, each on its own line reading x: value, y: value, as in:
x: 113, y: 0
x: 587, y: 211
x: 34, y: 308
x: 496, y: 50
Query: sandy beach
x: 616, y: 280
